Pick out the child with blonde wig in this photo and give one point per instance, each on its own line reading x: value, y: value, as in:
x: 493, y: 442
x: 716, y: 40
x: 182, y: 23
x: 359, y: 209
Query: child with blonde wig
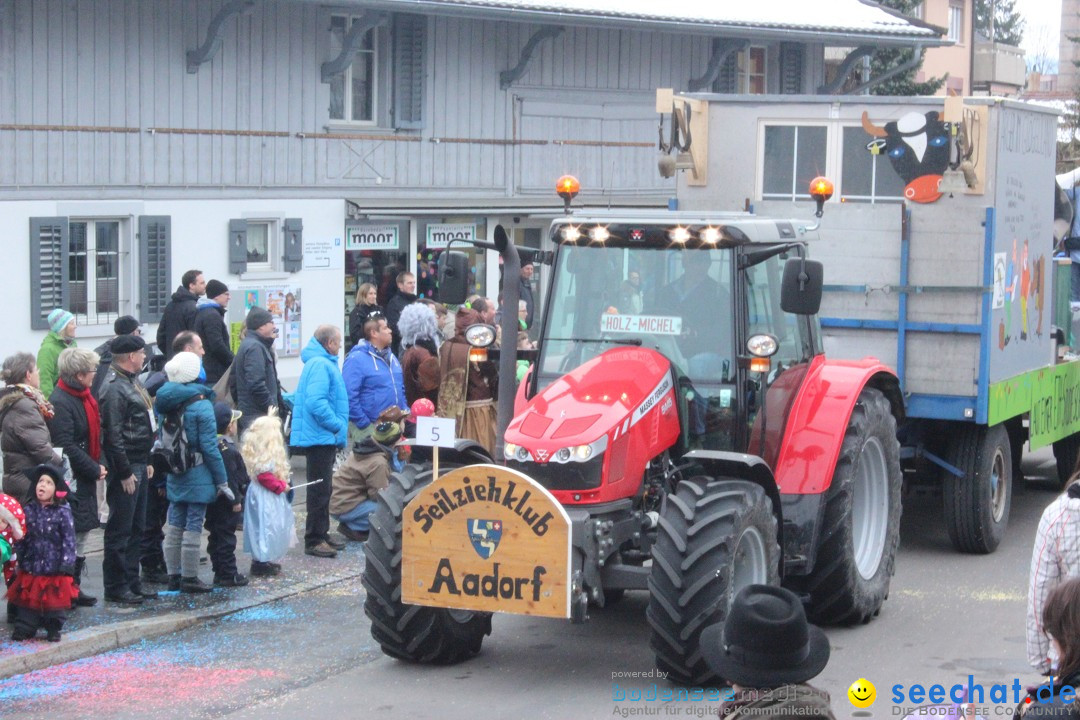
x: 269, y: 523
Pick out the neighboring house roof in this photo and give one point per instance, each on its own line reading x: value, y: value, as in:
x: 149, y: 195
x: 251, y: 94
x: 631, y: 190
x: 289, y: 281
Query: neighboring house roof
x: 834, y: 22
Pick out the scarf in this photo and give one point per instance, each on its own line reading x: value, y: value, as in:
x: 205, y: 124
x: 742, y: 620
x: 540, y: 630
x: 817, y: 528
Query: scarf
x: 43, y: 405
x: 93, y: 417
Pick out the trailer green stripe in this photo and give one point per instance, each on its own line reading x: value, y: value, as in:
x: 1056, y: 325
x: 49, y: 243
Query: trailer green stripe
x: 1049, y: 396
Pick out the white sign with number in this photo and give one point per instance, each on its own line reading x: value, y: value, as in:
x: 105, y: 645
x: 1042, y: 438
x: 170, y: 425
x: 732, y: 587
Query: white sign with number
x: 435, y: 431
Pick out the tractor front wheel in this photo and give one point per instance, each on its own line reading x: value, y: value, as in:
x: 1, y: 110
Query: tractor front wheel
x: 714, y: 538
x: 437, y: 636
x: 861, y: 525
x: 977, y: 504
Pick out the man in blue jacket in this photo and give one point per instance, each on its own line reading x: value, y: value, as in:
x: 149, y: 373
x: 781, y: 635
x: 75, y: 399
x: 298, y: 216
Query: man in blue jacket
x: 373, y: 379
x: 320, y: 427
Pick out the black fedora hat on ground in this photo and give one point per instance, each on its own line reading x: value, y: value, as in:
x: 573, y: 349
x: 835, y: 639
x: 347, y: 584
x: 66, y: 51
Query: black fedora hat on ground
x: 765, y: 641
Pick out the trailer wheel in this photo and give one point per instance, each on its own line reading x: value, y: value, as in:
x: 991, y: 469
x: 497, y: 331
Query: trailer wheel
x: 977, y: 505
x: 714, y: 538
x: 414, y: 633
x: 861, y: 525
x: 1066, y: 451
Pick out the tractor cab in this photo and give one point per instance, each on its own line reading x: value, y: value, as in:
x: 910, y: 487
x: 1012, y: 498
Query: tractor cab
x: 705, y: 294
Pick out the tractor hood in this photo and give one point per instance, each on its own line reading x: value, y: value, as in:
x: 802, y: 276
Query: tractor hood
x: 593, y: 405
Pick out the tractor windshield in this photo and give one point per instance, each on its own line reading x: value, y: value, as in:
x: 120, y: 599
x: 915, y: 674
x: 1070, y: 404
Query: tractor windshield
x: 676, y: 301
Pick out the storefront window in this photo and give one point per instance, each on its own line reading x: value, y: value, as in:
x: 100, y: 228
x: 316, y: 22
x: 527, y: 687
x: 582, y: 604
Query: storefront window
x: 434, y: 238
x: 374, y: 253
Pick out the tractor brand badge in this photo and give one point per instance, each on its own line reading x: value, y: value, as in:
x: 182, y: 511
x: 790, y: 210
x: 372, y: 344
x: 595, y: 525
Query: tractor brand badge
x: 485, y: 536
x: 542, y: 454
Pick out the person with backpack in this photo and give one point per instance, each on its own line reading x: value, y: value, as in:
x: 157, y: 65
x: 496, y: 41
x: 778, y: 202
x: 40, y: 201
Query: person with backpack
x: 127, y: 435
x: 187, y: 440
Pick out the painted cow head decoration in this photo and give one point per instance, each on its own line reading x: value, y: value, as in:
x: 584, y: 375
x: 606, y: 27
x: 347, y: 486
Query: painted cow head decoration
x: 918, y: 148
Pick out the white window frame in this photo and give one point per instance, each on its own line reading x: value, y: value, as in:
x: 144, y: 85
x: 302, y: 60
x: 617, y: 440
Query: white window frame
x: 376, y: 79
x: 273, y: 244
x: 956, y: 22
x: 93, y: 317
x: 744, y: 74
x: 874, y: 197
x: 830, y: 156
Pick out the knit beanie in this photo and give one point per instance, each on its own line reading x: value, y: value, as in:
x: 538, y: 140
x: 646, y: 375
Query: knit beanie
x: 59, y: 319
x: 257, y: 317
x: 215, y: 288
x: 125, y: 325
x: 183, y: 368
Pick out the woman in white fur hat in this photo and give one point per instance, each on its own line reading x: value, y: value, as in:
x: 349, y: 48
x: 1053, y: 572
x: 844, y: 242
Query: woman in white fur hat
x: 191, y: 491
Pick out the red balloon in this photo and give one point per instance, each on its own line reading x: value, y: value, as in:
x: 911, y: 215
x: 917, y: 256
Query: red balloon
x: 423, y: 408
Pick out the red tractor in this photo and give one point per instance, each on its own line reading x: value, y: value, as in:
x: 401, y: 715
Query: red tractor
x: 682, y: 413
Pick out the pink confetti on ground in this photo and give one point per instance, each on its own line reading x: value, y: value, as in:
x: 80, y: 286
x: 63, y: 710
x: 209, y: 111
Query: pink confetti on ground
x: 103, y: 683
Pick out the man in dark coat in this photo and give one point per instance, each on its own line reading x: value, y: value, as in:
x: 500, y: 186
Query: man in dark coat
x: 179, y: 314
x: 210, y: 326
x: 124, y: 325
x: 255, y: 369
x: 127, y: 428
x: 406, y: 295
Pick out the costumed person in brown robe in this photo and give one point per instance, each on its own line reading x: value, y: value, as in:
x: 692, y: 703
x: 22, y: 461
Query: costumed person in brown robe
x: 467, y: 387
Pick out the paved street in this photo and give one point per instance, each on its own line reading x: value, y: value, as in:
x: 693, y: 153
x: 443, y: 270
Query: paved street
x: 948, y: 616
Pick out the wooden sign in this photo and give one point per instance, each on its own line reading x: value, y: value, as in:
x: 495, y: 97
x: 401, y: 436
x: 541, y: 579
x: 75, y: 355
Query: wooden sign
x: 487, y: 538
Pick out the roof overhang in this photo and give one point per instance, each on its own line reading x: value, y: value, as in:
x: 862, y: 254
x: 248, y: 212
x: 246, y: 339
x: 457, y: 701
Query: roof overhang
x: 836, y: 23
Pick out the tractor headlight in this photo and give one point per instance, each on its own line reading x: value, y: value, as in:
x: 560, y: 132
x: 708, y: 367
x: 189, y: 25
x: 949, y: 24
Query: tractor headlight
x: 516, y: 452
x: 581, y: 453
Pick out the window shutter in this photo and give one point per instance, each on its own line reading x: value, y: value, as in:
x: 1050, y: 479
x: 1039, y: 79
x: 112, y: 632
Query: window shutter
x: 237, y: 246
x: 791, y: 68
x: 727, y: 81
x: 293, y: 250
x: 155, y: 251
x: 409, y: 33
x: 48, y: 268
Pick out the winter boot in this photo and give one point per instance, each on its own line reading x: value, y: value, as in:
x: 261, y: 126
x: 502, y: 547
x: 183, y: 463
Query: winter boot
x: 52, y: 629
x: 174, y: 583
x: 194, y: 585
x: 84, y: 600
x: 189, y: 564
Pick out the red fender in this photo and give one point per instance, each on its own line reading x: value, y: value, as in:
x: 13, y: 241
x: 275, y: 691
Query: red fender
x: 818, y: 420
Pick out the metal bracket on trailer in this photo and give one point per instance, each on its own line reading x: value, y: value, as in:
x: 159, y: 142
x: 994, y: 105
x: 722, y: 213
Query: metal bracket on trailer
x: 916, y: 452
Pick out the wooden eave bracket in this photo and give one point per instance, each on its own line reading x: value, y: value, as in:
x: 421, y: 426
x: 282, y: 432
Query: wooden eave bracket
x: 214, y: 32
x: 548, y: 32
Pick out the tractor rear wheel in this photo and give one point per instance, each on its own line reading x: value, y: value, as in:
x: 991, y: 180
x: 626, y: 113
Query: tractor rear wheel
x: 977, y: 505
x: 1066, y: 451
x: 714, y: 538
x: 861, y: 525
x: 415, y: 633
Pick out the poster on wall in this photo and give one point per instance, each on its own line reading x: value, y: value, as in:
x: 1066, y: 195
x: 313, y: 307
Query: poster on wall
x: 283, y: 302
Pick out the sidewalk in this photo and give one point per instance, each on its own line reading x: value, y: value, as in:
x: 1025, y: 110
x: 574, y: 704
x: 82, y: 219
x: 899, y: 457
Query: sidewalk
x: 90, y: 631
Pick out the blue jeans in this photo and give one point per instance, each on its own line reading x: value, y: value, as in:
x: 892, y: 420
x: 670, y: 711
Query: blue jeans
x: 187, y: 516
x: 357, y: 518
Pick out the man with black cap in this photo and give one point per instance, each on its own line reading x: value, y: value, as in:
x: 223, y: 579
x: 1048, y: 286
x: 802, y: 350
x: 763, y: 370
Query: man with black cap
x: 767, y: 651
x: 123, y: 325
x: 127, y: 429
x: 255, y: 368
x: 210, y: 326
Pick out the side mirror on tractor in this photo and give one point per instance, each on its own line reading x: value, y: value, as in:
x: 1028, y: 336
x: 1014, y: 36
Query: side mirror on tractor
x: 800, y: 292
x: 453, y: 277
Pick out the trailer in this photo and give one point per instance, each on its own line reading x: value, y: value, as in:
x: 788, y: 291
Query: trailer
x: 938, y: 253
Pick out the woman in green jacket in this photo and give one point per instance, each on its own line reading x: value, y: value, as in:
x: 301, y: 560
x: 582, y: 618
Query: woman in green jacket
x: 61, y: 337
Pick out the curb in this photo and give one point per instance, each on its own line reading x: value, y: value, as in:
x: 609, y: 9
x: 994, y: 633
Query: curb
x: 94, y: 641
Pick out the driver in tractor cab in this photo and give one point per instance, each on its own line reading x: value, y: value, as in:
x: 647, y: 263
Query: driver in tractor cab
x: 705, y: 309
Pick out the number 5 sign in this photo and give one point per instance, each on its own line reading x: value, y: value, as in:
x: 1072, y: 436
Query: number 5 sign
x: 435, y: 431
